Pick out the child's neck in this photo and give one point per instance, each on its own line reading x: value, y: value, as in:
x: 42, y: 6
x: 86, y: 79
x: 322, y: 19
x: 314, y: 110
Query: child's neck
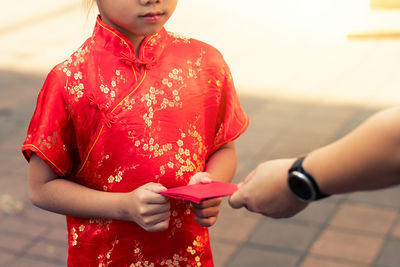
x: 136, y: 42
x: 135, y: 39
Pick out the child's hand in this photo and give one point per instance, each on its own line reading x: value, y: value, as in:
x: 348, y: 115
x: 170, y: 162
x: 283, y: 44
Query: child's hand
x: 148, y: 208
x: 207, y: 211
x: 200, y: 178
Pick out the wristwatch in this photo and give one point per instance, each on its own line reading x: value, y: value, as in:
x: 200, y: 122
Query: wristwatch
x: 302, y: 184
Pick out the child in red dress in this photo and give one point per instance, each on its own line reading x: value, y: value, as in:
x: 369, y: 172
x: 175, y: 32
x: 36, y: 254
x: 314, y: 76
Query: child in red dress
x: 133, y: 111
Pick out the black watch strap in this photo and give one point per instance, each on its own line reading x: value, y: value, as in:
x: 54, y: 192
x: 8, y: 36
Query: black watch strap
x: 298, y: 166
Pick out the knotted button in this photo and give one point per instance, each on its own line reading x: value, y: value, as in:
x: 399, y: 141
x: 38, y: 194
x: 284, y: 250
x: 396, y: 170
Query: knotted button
x: 138, y: 63
x: 108, y: 118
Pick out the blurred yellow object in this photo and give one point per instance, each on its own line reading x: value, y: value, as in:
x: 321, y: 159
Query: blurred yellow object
x: 379, y: 34
x: 385, y: 4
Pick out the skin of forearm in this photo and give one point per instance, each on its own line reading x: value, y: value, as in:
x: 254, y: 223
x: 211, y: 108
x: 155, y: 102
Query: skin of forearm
x: 222, y: 164
x: 62, y: 196
x: 68, y: 198
x: 368, y: 158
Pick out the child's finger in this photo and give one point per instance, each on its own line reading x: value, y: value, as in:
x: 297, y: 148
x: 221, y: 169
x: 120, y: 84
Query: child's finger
x: 208, y: 212
x: 205, y: 180
x: 157, y: 199
x: 156, y: 218
x: 200, y: 177
x: 213, y: 202
x: 156, y: 208
x: 207, y: 222
x: 158, y: 227
x: 155, y: 187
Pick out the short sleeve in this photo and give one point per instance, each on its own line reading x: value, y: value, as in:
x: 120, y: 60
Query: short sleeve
x: 51, y: 132
x: 232, y: 121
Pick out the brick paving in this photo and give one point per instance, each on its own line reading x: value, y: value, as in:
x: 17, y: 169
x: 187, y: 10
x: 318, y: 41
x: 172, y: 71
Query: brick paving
x: 348, y: 230
x: 351, y: 230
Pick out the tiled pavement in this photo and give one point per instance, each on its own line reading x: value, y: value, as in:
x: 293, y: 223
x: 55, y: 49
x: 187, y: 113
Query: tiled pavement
x: 360, y: 229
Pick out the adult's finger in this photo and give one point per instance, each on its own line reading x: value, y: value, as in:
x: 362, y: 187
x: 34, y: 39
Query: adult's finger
x: 236, y: 200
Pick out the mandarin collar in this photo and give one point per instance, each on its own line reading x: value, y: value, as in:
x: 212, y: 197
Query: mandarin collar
x: 117, y: 43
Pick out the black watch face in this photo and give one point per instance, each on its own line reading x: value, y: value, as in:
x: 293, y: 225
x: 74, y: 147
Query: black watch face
x: 301, y: 187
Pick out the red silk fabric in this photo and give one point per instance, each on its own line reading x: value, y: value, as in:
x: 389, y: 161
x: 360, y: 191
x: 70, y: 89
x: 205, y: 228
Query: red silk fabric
x: 113, y: 122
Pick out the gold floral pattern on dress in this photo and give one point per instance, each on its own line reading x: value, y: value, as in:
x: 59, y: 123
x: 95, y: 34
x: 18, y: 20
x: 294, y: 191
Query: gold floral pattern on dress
x: 219, y: 135
x: 174, y: 83
x: 75, y: 231
x: 201, y: 148
x: 174, y: 102
x: 150, y: 145
x: 141, y: 261
x: 186, y: 161
x: 176, y: 76
x: 74, y: 234
x: 79, y: 55
x: 128, y: 104
x: 176, y: 221
x: 116, y: 178
x: 197, y: 248
x: 154, y: 40
x: 101, y: 222
x: 74, y: 84
x: 175, y: 261
x: 110, y: 88
x: 195, y: 67
x: 105, y: 260
x: 47, y: 142
x: 152, y: 104
x: 103, y: 158
x: 195, y: 251
x: 179, y: 38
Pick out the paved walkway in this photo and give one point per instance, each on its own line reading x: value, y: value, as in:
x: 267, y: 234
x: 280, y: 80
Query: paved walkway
x: 360, y: 229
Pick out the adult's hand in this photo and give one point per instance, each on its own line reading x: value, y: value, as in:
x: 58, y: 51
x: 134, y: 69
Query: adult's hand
x: 265, y: 191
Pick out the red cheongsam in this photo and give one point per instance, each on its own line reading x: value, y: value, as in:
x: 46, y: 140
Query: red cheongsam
x: 113, y: 122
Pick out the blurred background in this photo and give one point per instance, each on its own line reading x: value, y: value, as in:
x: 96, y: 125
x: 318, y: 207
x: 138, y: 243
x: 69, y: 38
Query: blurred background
x: 307, y: 72
x: 285, y: 48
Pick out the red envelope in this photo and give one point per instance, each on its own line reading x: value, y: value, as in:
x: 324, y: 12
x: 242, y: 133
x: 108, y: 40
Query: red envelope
x: 199, y: 192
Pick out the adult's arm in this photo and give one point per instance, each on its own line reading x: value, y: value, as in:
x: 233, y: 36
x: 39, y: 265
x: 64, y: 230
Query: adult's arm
x: 368, y: 158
